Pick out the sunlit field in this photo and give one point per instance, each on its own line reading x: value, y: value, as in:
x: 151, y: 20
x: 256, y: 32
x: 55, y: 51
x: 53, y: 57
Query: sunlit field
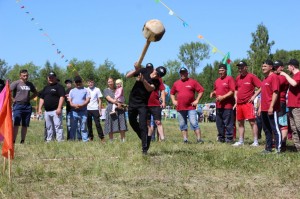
x: 172, y: 169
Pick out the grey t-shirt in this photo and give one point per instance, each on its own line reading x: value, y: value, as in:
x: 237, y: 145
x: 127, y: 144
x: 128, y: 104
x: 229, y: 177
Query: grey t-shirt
x: 21, y: 91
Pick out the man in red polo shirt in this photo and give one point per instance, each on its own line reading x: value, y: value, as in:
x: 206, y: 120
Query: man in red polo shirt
x: 223, y: 91
x: 155, y: 107
x: 269, y: 107
x: 282, y: 114
x: 245, y: 94
x: 185, y: 102
x: 294, y: 99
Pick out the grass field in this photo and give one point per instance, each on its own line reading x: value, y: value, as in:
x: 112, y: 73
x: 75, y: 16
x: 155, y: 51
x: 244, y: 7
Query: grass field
x: 171, y: 170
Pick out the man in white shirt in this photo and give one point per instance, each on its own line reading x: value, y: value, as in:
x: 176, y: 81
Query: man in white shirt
x: 94, y: 110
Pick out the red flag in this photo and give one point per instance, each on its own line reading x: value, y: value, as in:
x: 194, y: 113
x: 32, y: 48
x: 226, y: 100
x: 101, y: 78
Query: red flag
x: 6, y: 126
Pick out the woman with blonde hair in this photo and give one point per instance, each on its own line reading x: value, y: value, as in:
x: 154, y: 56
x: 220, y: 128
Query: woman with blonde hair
x: 114, y: 123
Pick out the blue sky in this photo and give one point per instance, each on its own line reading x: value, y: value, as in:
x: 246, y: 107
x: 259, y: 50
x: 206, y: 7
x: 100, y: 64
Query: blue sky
x: 97, y: 30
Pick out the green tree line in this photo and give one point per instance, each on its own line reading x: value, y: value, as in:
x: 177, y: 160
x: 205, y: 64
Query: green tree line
x: 190, y: 55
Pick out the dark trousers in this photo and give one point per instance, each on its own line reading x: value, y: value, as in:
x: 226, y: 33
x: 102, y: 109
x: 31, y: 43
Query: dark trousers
x: 259, y: 125
x: 96, y: 115
x: 224, y: 122
x: 138, y: 121
x: 270, y: 126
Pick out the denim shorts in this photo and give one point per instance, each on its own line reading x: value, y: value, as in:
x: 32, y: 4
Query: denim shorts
x: 188, y: 114
x: 22, y: 112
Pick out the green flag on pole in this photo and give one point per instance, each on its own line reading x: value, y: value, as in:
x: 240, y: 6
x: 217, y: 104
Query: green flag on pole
x: 226, y: 60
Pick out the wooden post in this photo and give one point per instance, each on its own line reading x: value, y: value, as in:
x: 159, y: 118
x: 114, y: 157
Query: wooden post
x: 9, y: 166
x: 4, y: 163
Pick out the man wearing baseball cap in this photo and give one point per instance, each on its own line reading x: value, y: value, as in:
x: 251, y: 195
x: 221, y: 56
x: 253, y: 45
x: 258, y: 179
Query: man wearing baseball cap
x: 278, y: 66
x: 79, y: 98
x: 294, y: 99
x: 245, y: 93
x: 146, y: 82
x: 224, y: 88
x: 52, y: 98
x: 269, y: 107
x: 183, y: 97
x: 156, y: 102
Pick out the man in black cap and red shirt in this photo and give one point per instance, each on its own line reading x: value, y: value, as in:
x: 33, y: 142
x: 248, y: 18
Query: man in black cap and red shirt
x: 183, y: 97
x: 146, y: 82
x: 294, y: 99
x: 278, y: 66
x: 52, y: 98
x: 224, y: 88
x: 269, y: 107
x: 245, y: 93
x: 155, y: 104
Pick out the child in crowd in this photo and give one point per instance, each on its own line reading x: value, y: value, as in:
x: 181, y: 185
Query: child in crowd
x: 119, y: 95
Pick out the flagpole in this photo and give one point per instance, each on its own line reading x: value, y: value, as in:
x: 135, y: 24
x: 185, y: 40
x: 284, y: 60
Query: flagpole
x: 4, y: 163
x: 9, y: 166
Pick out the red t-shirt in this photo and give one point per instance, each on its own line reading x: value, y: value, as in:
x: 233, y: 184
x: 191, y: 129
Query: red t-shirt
x: 185, y: 91
x: 283, y: 88
x: 223, y: 86
x: 154, y: 96
x: 268, y: 86
x: 245, y: 85
x: 294, y: 93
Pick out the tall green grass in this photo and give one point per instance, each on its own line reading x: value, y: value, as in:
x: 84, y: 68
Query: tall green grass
x: 171, y: 170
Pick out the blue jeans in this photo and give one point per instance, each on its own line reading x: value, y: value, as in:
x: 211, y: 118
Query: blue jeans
x: 182, y: 119
x: 79, y: 118
x: 68, y: 122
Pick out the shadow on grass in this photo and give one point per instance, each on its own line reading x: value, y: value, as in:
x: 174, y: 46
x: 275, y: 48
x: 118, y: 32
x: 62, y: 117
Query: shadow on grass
x: 173, y: 152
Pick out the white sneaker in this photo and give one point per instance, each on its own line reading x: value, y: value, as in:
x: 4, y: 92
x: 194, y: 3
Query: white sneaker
x: 238, y: 144
x: 254, y: 144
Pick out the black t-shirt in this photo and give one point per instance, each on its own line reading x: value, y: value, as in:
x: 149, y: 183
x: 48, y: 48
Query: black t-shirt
x: 2, y: 85
x: 139, y: 95
x: 51, y: 95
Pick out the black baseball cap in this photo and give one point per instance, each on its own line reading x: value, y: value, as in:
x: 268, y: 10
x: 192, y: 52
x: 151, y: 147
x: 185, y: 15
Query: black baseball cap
x: 149, y: 65
x: 52, y: 74
x: 183, y: 69
x: 293, y: 62
x: 161, y: 71
x: 242, y: 64
x: 68, y: 81
x: 223, y: 66
x: 277, y: 63
x: 268, y: 62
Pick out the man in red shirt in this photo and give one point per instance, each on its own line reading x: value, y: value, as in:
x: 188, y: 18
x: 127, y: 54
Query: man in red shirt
x: 244, y: 95
x: 269, y: 107
x: 282, y: 114
x: 186, y: 104
x: 155, y: 107
x: 294, y: 99
x: 223, y: 91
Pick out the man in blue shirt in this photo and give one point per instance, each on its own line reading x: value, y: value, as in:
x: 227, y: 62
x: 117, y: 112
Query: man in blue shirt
x: 79, y: 99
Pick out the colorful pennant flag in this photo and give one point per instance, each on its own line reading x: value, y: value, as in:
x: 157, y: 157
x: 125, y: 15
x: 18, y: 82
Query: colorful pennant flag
x: 185, y: 24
